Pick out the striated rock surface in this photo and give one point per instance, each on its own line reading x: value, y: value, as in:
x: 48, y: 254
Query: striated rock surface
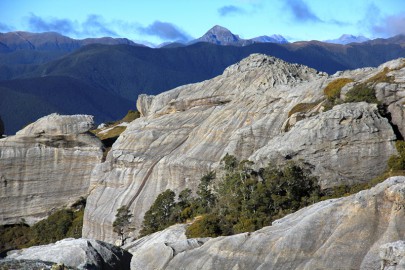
x: 185, y: 132
x: 46, y: 165
x: 77, y: 253
x: 252, y: 106
x: 352, y: 139
x: 167, y: 243
x: 344, y: 233
x: 393, y: 255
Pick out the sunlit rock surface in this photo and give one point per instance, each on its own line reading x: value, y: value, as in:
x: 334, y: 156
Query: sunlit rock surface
x: 185, y: 132
x: 46, y: 166
x: 354, y: 232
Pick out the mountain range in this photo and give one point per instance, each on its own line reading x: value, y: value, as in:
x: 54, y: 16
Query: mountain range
x: 44, y: 73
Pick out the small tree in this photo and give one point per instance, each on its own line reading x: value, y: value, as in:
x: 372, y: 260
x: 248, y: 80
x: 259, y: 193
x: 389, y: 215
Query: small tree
x: 122, y: 222
x: 159, y: 216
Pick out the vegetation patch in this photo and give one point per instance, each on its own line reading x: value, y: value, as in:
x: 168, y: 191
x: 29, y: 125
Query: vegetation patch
x: 333, y: 89
x: 302, y: 107
x: 241, y: 200
x: 361, y: 92
x: 382, y: 77
x: 62, y: 224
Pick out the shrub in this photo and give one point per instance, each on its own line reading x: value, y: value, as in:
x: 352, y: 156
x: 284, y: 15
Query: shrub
x: 361, y: 92
x: 333, y: 89
x: 206, y: 226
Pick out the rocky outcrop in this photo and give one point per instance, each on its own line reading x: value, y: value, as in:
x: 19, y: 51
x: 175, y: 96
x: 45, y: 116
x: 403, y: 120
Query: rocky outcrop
x: 344, y: 233
x: 393, y: 256
x: 77, y: 253
x: 341, y: 145
x: 46, y: 166
x: 185, y: 132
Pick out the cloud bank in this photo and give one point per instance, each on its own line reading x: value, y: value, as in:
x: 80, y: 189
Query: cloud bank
x: 165, y: 31
x: 301, y: 11
x: 390, y: 26
x: 94, y: 25
x: 230, y: 10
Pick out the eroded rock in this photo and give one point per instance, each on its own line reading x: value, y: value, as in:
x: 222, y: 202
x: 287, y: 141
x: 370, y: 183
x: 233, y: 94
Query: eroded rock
x: 344, y: 233
x: 186, y: 131
x: 46, y: 166
x: 77, y: 253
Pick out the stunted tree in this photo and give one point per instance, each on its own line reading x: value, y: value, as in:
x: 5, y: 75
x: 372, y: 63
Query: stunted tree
x: 159, y: 216
x: 122, y: 222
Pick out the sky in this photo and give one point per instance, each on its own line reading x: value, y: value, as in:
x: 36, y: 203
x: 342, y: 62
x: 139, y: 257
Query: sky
x: 158, y: 21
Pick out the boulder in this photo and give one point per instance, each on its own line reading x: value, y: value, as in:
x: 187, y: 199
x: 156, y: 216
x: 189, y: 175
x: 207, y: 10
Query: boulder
x: 77, y: 253
x: 46, y: 166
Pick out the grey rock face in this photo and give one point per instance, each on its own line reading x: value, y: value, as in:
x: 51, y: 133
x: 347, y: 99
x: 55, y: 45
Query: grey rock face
x: 185, y: 132
x: 393, y: 256
x: 351, y: 139
x: 77, y: 253
x: 344, y: 233
x: 167, y: 243
x: 46, y: 166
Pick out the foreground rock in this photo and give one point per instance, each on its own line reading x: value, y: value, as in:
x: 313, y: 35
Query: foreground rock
x: 46, y: 166
x: 78, y: 253
x: 344, y: 233
x: 167, y: 243
x: 247, y: 112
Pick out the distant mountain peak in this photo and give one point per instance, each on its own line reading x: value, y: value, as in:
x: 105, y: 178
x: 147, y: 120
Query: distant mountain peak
x: 222, y: 36
x: 347, y: 38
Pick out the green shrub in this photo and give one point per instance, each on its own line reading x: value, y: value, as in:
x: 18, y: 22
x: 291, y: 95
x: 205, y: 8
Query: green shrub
x: 206, y: 226
x: 361, y: 92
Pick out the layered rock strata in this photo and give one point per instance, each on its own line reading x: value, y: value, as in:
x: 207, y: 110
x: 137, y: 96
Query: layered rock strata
x: 46, y: 166
x: 345, y: 233
x: 250, y: 111
x: 345, y: 145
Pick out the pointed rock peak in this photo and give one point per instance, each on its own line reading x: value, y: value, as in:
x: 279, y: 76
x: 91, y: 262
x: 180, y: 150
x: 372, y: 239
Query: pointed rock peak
x: 218, y: 28
x: 283, y: 72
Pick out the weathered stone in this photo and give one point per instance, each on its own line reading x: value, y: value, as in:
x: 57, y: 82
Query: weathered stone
x: 185, y: 132
x: 344, y: 233
x: 167, y: 243
x: 46, y: 166
x: 77, y: 253
x: 341, y: 145
x: 393, y: 256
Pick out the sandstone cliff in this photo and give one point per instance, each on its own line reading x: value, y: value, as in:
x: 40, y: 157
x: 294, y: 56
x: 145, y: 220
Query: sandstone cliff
x: 46, y: 166
x: 353, y: 232
x: 185, y: 132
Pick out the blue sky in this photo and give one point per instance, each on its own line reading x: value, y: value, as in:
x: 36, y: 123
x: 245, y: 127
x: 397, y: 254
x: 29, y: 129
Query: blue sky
x: 158, y: 21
